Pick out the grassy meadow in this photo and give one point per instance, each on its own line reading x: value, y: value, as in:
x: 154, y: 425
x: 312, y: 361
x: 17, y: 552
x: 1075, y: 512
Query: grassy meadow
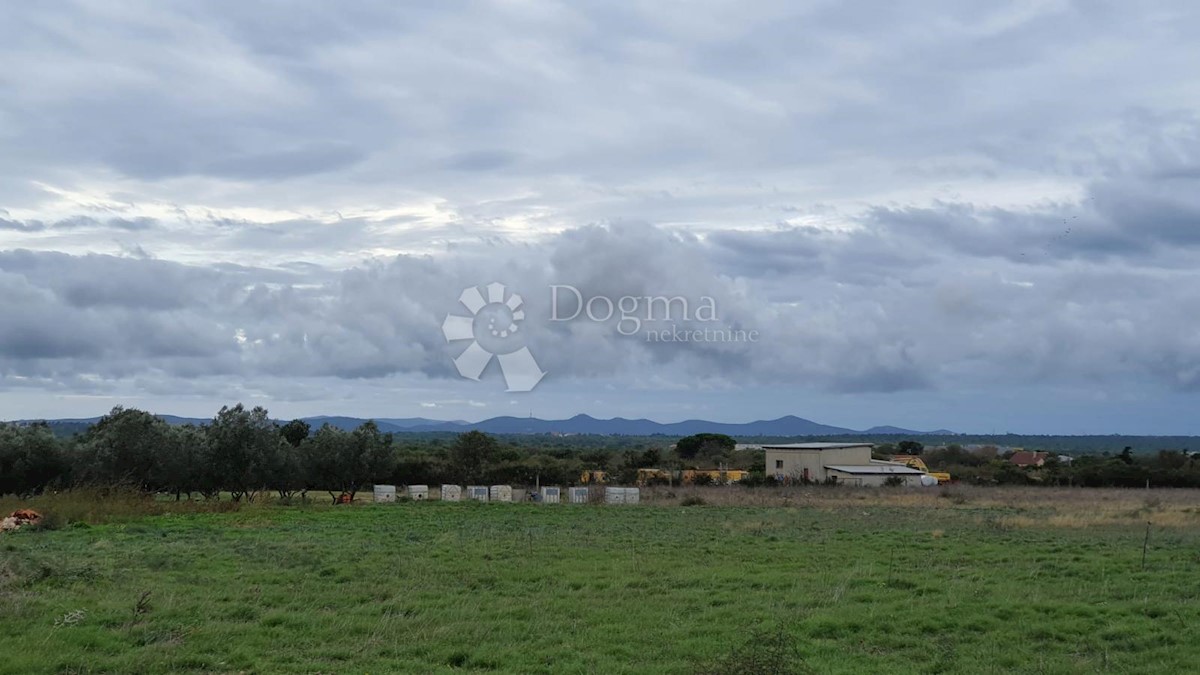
x: 824, y: 580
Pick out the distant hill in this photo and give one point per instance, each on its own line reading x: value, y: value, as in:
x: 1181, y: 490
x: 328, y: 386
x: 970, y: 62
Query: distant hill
x: 175, y: 420
x: 586, y: 424
x: 580, y: 424
x: 348, y: 423
x: 407, y: 422
x: 899, y: 431
x: 589, y: 432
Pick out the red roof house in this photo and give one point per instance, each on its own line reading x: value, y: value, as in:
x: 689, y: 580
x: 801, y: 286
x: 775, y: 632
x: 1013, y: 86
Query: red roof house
x: 1025, y: 458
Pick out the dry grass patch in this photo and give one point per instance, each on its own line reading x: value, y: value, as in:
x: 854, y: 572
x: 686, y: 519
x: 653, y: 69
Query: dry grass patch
x: 94, y: 506
x: 1021, y: 506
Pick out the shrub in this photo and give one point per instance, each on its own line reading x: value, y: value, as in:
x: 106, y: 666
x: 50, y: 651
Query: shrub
x: 51, y: 520
x: 103, y: 505
x: 757, y: 479
x: 765, y: 653
x: 954, y: 496
x: 692, y: 500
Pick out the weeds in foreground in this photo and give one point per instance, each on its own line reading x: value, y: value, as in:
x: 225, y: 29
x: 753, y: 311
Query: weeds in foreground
x: 140, y: 608
x: 49, y: 521
x: 94, y: 506
x: 955, y: 496
x: 773, y: 652
x: 71, y: 618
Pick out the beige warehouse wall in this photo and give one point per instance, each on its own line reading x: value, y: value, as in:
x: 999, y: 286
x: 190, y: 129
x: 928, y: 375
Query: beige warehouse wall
x: 854, y: 456
x: 796, y: 461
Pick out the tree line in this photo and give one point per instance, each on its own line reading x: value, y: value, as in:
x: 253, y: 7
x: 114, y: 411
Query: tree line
x: 242, y: 453
x: 1164, y: 468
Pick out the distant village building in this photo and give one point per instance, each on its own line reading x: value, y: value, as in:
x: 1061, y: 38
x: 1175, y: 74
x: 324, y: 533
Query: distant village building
x: 1026, y: 459
x: 847, y: 463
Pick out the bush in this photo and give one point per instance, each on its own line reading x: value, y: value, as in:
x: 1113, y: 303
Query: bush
x: 757, y: 479
x: 692, y: 500
x: 50, y: 521
x: 954, y: 496
x: 105, y: 505
x: 765, y: 653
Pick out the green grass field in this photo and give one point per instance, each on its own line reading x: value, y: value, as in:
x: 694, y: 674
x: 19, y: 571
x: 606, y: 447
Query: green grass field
x: 846, y: 586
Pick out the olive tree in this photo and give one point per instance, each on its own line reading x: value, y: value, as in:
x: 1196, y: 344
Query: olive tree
x: 241, y: 445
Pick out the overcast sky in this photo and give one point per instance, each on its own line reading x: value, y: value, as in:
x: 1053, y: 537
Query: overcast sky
x: 978, y: 216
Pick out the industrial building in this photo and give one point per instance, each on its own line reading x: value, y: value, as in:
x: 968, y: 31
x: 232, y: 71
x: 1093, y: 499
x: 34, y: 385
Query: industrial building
x: 844, y: 463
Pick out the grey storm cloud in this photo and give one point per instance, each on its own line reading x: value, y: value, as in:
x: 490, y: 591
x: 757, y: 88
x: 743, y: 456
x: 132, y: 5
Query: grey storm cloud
x: 609, y: 94
x: 482, y: 160
x: 902, y: 199
x: 77, y: 223
x: 286, y: 163
x: 896, y: 330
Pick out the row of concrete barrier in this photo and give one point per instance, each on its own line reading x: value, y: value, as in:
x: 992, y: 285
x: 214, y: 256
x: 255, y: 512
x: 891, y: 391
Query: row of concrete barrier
x: 504, y: 493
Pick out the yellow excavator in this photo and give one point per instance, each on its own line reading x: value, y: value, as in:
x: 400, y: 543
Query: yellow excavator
x: 914, y: 462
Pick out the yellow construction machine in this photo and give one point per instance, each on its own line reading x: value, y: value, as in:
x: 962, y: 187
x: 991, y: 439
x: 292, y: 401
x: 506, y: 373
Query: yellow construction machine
x: 915, y: 462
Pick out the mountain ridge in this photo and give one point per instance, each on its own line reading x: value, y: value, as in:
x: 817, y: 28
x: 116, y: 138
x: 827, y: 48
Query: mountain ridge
x: 581, y: 424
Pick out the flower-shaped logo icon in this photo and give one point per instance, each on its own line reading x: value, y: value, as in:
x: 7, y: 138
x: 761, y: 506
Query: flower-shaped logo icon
x: 493, y: 329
